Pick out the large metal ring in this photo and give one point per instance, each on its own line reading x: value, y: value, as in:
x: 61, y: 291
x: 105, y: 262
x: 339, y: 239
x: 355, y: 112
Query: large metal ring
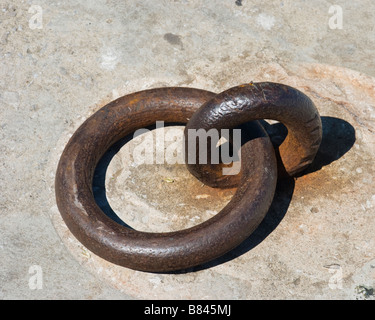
x: 158, y: 251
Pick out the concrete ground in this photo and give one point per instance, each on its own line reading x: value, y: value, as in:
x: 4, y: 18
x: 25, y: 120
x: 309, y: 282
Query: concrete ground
x: 62, y: 61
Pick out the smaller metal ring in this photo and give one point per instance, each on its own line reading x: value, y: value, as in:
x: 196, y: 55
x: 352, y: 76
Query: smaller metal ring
x: 255, y: 101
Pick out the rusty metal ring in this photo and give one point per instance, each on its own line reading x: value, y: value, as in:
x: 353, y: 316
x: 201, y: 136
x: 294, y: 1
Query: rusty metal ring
x: 158, y: 251
x: 255, y: 101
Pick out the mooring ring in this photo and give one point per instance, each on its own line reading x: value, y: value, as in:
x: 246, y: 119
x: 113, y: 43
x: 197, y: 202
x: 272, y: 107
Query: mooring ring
x: 255, y: 101
x: 147, y: 251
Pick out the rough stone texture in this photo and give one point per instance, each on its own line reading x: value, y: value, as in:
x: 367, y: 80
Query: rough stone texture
x: 316, y: 242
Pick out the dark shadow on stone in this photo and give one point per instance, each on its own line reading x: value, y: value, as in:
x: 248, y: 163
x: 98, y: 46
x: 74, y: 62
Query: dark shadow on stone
x: 98, y: 185
x: 337, y: 139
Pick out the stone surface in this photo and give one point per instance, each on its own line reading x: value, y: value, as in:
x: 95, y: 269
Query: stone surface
x: 317, y: 240
x: 313, y: 242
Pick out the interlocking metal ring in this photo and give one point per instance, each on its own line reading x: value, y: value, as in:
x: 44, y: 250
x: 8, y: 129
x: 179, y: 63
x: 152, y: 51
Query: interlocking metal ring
x: 161, y: 252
